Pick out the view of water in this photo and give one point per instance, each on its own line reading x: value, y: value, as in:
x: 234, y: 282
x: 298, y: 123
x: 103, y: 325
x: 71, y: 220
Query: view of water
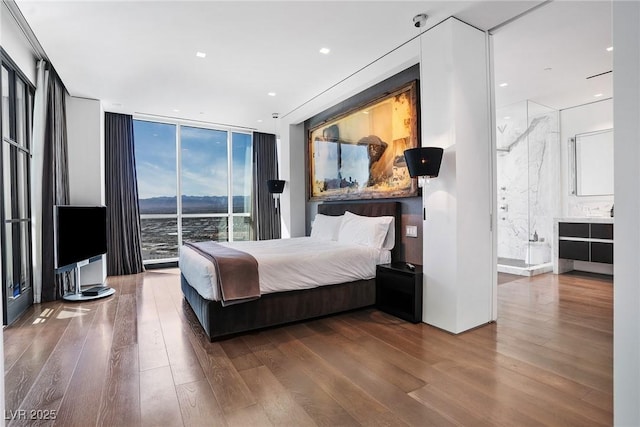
x: 160, y: 235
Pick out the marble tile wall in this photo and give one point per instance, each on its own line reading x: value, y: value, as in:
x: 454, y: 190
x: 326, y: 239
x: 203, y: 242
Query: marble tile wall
x: 594, y: 206
x: 528, y: 177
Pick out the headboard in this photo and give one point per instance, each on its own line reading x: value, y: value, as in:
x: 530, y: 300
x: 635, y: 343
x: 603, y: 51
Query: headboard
x: 369, y: 208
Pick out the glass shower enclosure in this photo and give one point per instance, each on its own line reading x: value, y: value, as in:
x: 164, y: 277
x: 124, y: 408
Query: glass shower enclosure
x: 529, y: 181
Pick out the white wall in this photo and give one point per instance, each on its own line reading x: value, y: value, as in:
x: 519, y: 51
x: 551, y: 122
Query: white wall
x: 581, y: 119
x: 459, y: 261
x: 85, y: 134
x: 626, y: 289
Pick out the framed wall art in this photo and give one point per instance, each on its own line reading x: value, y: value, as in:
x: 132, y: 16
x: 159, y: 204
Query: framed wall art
x: 360, y: 154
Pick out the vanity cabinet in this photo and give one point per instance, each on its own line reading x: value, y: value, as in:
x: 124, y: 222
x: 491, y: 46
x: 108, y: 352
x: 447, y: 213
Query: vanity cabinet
x: 575, y: 250
x: 585, y: 241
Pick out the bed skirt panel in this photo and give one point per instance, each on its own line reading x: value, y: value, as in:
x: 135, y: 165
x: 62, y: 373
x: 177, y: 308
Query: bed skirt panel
x: 277, y: 308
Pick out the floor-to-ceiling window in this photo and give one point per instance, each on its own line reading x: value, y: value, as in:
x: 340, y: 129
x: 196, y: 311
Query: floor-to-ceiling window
x: 15, y: 241
x: 194, y: 184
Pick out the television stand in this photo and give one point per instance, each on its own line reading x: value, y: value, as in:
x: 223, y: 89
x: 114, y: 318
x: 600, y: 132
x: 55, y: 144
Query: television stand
x: 90, y: 292
x: 81, y: 297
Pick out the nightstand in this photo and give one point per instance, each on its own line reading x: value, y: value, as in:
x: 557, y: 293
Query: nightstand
x: 399, y: 290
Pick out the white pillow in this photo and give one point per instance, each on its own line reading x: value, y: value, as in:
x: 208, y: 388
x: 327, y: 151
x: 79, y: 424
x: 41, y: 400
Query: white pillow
x: 364, y: 230
x: 326, y: 227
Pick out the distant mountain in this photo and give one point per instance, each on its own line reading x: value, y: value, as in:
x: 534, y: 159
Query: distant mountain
x: 157, y: 205
x: 192, y: 204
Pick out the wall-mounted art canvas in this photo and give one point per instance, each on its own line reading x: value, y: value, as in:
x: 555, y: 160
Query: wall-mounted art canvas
x: 360, y: 154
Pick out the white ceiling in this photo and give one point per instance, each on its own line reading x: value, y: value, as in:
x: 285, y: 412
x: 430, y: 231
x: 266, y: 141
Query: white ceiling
x: 567, y: 38
x: 139, y: 56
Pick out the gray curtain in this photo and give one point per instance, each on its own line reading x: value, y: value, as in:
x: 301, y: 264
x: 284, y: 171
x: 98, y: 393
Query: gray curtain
x: 55, y: 184
x: 266, y: 218
x: 124, y: 248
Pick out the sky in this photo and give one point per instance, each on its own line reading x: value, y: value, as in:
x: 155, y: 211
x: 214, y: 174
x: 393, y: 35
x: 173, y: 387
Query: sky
x: 203, y: 156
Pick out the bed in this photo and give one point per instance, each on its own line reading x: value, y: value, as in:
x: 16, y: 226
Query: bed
x: 284, y: 301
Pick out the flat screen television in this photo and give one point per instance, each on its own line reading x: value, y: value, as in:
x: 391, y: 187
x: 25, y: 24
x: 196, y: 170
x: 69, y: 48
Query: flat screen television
x: 80, y: 233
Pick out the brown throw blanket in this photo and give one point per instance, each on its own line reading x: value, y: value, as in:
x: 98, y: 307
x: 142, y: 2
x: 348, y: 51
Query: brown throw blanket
x: 237, y: 271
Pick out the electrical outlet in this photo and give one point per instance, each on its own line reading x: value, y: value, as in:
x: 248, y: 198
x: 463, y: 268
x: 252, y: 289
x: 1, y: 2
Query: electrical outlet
x: 412, y: 231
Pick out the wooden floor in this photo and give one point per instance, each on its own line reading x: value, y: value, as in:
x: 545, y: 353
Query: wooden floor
x: 139, y: 359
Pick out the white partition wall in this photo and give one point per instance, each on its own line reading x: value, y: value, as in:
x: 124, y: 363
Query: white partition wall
x: 626, y: 287
x: 459, y: 257
x: 85, y: 138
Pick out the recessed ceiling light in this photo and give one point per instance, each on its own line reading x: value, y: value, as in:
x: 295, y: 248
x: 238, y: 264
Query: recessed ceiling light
x: 201, y: 54
x: 365, y: 112
x: 598, y: 95
x: 507, y: 117
x: 175, y: 110
x: 271, y: 94
x: 503, y: 84
x: 325, y: 50
x: 610, y: 48
x: 259, y: 120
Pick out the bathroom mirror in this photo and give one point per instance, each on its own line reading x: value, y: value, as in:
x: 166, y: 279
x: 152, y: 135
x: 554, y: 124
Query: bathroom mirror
x: 593, y: 163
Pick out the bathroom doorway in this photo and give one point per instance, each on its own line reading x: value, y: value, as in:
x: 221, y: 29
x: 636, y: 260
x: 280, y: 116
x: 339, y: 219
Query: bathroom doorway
x: 554, y: 57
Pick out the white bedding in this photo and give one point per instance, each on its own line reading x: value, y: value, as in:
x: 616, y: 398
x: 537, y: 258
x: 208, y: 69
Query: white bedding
x: 289, y: 264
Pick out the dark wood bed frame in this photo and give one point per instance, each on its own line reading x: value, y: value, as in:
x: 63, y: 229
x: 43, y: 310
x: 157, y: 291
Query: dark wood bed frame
x: 292, y: 306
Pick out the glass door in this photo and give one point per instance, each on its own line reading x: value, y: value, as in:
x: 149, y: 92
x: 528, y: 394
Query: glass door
x: 15, y: 212
x: 528, y: 178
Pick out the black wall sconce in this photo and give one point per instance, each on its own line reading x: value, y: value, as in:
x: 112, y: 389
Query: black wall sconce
x: 276, y: 187
x: 423, y: 162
